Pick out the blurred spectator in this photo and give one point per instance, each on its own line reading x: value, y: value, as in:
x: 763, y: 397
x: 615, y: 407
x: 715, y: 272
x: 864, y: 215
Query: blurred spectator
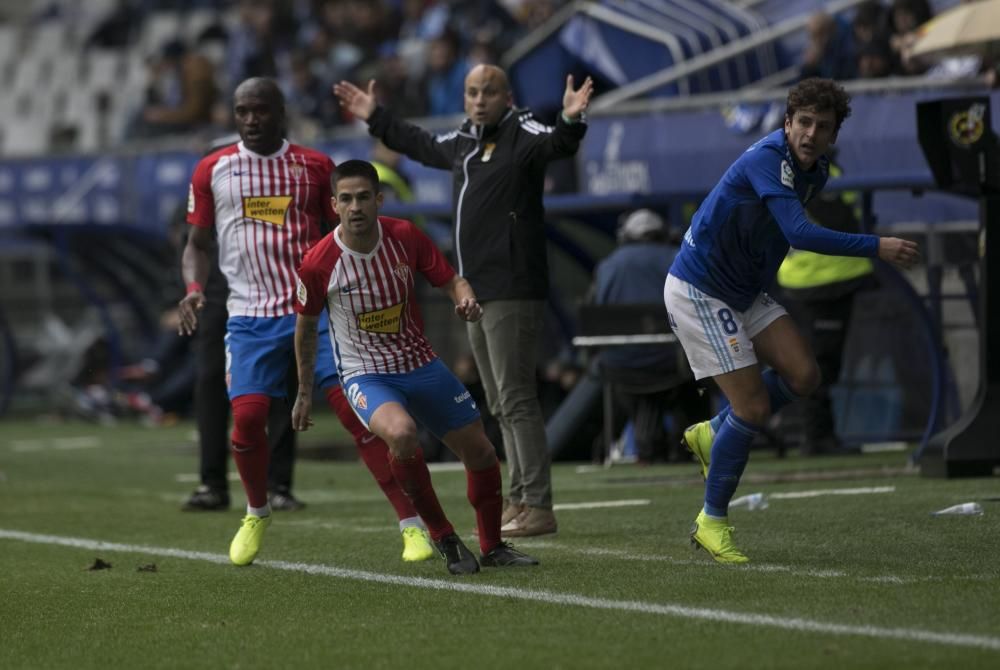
x: 875, y: 60
x: 905, y: 16
x: 179, y: 95
x: 446, y: 71
x: 830, y: 50
x: 870, y: 23
x: 260, y: 41
x: 398, y: 87
x: 118, y: 29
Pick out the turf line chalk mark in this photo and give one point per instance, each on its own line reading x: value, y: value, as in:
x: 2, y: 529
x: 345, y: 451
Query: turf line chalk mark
x: 600, y: 503
x: 547, y: 597
x: 791, y: 495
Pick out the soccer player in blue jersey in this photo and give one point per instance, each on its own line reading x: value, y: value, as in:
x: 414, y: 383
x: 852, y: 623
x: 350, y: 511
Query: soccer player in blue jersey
x: 716, y: 292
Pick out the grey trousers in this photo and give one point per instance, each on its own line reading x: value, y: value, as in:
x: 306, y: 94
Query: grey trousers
x: 504, y: 344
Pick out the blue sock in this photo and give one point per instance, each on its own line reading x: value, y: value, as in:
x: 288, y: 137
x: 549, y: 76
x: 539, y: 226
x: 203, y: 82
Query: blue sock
x: 777, y: 391
x: 730, y: 451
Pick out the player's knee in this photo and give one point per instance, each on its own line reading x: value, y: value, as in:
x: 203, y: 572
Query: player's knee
x: 401, y: 436
x: 806, y: 380
x: 250, y: 418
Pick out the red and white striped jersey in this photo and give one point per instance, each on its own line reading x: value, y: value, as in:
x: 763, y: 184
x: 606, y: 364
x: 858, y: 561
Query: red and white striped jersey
x: 267, y: 212
x: 374, y: 322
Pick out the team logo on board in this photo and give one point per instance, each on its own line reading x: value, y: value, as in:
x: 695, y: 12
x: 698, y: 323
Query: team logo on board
x: 268, y: 209
x: 382, y: 321
x: 967, y: 127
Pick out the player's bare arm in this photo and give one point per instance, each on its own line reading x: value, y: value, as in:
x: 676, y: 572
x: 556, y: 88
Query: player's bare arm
x: 575, y: 101
x: 305, y: 359
x: 901, y: 253
x: 358, y: 102
x: 194, y: 269
x: 460, y: 291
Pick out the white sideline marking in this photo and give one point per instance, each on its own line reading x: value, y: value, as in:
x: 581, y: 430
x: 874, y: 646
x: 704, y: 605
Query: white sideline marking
x: 195, y: 478
x: 60, y: 443
x: 601, y: 503
x: 789, y: 495
x: 548, y: 597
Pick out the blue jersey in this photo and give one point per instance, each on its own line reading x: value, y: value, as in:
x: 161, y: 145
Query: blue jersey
x: 742, y: 231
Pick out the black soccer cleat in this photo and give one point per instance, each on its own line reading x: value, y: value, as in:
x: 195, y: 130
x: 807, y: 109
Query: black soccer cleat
x: 207, y: 499
x: 282, y: 500
x: 458, y: 557
x: 505, y: 556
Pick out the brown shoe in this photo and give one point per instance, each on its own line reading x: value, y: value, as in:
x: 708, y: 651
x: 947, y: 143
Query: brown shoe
x: 532, y: 521
x: 511, y: 510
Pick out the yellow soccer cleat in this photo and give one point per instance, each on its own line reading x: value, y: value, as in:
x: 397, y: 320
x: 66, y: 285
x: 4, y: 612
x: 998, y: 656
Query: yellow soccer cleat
x: 416, y: 544
x: 698, y: 440
x: 246, y: 544
x: 716, y: 537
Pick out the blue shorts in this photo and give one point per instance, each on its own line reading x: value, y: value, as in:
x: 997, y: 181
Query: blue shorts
x: 431, y: 394
x: 259, y: 351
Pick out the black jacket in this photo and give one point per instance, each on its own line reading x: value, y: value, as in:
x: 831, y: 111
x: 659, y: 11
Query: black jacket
x: 498, y: 179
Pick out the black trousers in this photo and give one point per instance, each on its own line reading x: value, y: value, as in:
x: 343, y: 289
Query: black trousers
x: 824, y: 324
x: 212, y: 401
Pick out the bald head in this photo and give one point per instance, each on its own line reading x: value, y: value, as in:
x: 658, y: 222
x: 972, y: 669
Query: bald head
x: 487, y: 94
x: 259, y: 111
x: 261, y: 87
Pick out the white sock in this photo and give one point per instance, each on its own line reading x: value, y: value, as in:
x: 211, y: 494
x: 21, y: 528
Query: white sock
x: 259, y: 511
x: 411, y: 522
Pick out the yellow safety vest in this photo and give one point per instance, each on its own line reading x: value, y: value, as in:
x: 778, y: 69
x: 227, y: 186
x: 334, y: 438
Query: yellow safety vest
x: 806, y: 269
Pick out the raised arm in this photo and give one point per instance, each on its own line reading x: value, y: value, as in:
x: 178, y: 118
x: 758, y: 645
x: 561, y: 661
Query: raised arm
x: 398, y: 135
x: 306, y: 340
x: 803, y: 234
x: 564, y: 139
x: 195, y: 263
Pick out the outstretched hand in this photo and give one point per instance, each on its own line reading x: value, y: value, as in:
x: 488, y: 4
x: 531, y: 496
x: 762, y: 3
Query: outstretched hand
x: 901, y: 253
x: 359, y: 103
x: 575, y: 101
x: 469, y: 309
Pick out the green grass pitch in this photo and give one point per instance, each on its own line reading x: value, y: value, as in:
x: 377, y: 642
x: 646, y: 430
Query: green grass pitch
x: 860, y: 579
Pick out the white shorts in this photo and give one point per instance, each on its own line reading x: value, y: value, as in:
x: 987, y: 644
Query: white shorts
x: 716, y: 337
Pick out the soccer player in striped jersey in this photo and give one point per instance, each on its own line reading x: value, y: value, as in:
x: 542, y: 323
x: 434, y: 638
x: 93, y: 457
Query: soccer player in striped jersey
x: 716, y: 295
x: 363, y: 273
x: 266, y: 200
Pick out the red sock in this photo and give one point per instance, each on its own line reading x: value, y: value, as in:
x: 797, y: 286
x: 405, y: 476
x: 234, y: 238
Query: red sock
x: 250, y: 445
x: 374, y: 453
x: 483, y: 488
x: 415, y: 480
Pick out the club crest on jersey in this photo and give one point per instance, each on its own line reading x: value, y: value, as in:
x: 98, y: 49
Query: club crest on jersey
x: 356, y: 397
x: 402, y: 270
x: 382, y: 321
x: 296, y: 171
x: 301, y: 292
x: 268, y: 209
x: 488, y: 151
x: 787, y: 176
x: 734, y: 344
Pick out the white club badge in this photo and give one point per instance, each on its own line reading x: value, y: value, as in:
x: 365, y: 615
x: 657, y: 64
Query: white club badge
x: 488, y: 151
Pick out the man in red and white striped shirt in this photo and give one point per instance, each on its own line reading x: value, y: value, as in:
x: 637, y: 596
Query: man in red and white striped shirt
x: 266, y: 199
x: 363, y: 274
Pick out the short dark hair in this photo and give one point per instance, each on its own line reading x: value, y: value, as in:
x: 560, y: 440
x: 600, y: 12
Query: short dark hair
x: 356, y: 168
x: 820, y: 95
